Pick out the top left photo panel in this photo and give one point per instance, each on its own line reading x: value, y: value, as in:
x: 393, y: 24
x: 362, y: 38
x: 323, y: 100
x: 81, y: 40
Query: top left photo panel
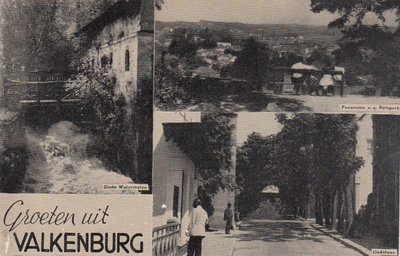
x: 76, y: 90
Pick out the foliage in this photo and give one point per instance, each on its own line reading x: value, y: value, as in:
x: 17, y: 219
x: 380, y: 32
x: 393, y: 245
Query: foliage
x: 88, y: 10
x: 320, y: 59
x: 318, y: 152
x: 372, y: 49
x: 252, y: 62
x: 34, y: 34
x: 313, y: 153
x: 286, y: 60
x: 209, y: 146
x: 37, y: 34
x: 175, y: 86
x: 170, y: 85
x: 210, y: 38
x: 253, y: 170
x: 354, y: 9
x: 13, y: 164
x: 182, y: 44
x: 101, y: 105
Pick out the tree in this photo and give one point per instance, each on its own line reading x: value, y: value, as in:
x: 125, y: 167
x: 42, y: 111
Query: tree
x: 182, y: 44
x: 252, y: 62
x: 13, y: 165
x: 34, y: 34
x: 377, y: 45
x: 319, y: 58
x: 329, y: 141
x: 312, y: 155
x: 354, y: 9
x: 106, y: 110
x: 38, y: 33
x: 209, y: 146
x: 253, y: 171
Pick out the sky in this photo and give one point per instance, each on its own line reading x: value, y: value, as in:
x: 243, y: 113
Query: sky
x: 263, y: 123
x: 248, y: 11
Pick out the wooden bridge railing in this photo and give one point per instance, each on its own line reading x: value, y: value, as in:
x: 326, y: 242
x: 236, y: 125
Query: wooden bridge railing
x: 165, y: 239
x: 34, y: 92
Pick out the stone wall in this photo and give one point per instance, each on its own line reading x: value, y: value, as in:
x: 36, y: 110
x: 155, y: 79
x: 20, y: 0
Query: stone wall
x: 127, y: 45
x: 112, y: 44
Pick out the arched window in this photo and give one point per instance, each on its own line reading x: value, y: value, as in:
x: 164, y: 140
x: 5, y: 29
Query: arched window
x: 127, y: 60
x: 104, y: 61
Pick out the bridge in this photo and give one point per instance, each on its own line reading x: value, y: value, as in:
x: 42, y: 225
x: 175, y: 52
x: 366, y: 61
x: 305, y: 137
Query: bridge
x: 37, y: 88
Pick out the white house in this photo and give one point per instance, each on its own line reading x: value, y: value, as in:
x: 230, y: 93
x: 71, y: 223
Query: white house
x: 174, y: 174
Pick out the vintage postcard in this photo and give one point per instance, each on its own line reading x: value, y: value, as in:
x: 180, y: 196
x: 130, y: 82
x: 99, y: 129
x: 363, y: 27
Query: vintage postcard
x: 199, y: 127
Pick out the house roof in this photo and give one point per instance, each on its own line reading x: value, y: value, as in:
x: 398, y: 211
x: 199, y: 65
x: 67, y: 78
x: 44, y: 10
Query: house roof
x: 187, y: 136
x: 120, y: 9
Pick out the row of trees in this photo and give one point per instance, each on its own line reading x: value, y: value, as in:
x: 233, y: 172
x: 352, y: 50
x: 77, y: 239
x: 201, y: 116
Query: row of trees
x: 311, y: 159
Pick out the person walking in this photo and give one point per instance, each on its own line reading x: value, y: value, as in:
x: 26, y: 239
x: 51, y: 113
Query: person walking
x: 196, y: 229
x: 228, y: 217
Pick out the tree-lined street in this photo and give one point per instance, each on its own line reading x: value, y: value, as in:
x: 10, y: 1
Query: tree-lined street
x: 265, y: 232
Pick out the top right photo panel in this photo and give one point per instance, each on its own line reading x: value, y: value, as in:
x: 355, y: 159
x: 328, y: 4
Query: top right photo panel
x: 277, y: 55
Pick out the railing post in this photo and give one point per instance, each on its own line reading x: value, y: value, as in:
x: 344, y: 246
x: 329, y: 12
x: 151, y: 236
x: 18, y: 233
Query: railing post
x: 165, y: 239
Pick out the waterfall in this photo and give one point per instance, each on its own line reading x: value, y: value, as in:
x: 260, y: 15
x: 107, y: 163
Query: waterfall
x: 60, y: 163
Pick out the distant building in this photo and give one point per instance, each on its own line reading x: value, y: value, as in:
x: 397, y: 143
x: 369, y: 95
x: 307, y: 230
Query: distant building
x: 270, y: 193
x: 224, y: 45
x: 122, y: 37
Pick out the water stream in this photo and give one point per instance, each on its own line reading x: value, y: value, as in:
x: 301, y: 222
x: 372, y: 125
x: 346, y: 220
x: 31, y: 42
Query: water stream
x: 59, y: 163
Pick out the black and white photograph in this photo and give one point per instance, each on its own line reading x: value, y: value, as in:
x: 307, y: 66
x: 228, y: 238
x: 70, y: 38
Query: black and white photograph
x: 275, y: 184
x: 275, y: 56
x: 76, y: 95
x: 199, y: 127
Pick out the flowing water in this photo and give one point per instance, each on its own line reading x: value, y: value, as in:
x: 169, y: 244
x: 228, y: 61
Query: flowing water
x: 59, y: 163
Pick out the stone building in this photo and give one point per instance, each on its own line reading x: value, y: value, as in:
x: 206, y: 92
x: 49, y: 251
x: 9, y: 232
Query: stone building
x: 122, y: 37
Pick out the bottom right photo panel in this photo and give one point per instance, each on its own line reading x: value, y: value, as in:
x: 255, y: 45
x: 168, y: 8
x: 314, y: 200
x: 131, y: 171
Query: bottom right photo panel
x: 266, y: 183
